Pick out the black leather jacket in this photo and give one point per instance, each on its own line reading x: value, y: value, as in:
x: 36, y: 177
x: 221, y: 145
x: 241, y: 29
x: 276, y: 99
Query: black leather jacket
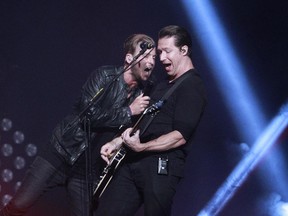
x: 110, y: 110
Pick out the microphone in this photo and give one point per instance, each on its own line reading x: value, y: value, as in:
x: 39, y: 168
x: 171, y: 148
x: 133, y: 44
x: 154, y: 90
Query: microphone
x: 146, y: 45
x: 148, y: 88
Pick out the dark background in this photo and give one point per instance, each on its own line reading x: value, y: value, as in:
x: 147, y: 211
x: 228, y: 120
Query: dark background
x: 48, y: 49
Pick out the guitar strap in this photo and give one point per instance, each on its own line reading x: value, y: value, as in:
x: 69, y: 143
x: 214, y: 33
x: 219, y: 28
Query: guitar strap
x: 165, y: 97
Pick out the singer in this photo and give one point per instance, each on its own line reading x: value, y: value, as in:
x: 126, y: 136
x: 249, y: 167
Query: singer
x: 63, y: 161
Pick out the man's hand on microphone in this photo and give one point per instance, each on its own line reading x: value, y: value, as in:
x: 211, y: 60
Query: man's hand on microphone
x: 139, y: 104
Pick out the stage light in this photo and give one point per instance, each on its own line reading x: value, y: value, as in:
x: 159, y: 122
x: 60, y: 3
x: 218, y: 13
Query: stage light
x: 273, y: 205
x: 6, y: 124
x: 19, y: 162
x: 7, y: 175
x: 281, y: 209
x: 18, y: 137
x: 7, y: 150
x: 5, y: 199
x: 14, y: 160
x: 244, y: 147
x: 31, y: 150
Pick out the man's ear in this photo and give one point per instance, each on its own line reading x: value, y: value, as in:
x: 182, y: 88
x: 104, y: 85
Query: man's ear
x: 128, y: 58
x: 184, y: 50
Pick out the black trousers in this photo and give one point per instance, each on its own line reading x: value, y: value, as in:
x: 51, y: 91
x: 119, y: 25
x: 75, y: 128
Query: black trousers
x: 40, y: 178
x: 135, y: 184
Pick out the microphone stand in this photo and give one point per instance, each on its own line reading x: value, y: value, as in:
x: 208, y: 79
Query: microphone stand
x: 85, y: 117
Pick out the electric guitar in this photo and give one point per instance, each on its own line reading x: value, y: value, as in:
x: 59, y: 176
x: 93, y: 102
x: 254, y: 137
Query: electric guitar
x: 119, y: 155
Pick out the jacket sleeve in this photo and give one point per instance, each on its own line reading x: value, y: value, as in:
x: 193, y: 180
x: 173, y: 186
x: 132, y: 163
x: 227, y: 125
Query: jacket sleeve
x: 111, y: 118
x: 107, y: 111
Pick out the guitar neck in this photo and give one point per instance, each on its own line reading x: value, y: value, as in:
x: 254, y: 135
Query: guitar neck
x: 135, y: 127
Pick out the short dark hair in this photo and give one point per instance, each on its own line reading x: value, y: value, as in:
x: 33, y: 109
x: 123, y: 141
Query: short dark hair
x: 133, y: 40
x: 182, y: 36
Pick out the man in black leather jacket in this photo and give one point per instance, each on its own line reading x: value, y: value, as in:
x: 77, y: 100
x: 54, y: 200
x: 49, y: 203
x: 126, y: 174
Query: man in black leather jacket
x: 109, y: 98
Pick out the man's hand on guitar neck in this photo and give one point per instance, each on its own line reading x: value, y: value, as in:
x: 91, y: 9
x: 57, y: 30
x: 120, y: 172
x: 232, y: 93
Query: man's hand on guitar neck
x: 132, y: 141
x: 109, y: 149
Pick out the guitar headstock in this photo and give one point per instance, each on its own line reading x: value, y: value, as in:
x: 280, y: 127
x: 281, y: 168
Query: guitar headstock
x: 154, y: 108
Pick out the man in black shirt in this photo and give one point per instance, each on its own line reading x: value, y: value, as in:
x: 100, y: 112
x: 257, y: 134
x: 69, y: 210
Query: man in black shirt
x: 155, y: 160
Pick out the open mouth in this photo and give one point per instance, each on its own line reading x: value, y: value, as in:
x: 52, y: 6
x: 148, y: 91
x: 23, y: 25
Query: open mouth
x: 148, y: 69
x: 167, y: 66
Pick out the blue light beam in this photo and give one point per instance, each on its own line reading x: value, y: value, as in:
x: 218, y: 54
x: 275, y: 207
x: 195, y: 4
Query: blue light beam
x: 229, y: 74
x: 247, y: 164
x: 230, y: 77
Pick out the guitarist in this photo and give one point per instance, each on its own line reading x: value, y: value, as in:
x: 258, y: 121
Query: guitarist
x: 62, y: 162
x: 155, y: 162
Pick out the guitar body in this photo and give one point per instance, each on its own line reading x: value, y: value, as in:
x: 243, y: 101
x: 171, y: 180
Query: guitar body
x: 108, y: 172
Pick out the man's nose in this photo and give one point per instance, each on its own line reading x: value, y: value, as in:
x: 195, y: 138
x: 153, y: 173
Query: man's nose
x: 162, y: 57
x: 151, y: 60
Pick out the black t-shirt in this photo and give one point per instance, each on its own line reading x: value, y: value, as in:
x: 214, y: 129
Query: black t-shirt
x: 182, y: 110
